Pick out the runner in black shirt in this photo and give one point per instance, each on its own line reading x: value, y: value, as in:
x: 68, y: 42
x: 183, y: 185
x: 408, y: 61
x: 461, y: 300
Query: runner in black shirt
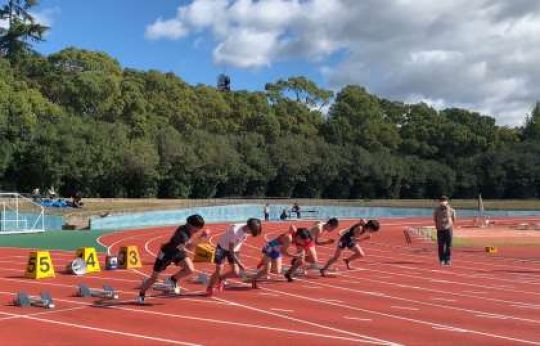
x: 174, y: 251
x: 349, y: 239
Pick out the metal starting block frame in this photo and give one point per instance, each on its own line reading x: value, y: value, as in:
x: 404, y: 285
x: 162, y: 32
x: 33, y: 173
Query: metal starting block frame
x: 201, y: 278
x: 166, y: 287
x: 106, y: 293
x: 43, y: 301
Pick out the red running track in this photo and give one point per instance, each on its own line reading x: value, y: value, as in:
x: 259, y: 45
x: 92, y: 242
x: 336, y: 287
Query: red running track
x: 397, y: 295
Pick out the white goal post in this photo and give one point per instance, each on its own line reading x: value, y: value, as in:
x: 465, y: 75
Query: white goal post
x: 19, y: 214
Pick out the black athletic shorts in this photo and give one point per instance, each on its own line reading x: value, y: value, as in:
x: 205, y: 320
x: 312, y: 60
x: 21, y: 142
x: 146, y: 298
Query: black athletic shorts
x: 222, y: 254
x: 346, y: 241
x: 164, y: 259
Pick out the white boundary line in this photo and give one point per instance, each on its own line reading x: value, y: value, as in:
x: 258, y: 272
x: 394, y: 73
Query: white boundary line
x: 414, y: 287
x: 413, y: 320
x: 387, y: 343
x: 109, y: 331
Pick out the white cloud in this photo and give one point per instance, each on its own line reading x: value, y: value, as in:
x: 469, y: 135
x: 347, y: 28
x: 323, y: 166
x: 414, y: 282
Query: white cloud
x: 171, y: 29
x: 46, y: 16
x: 479, y: 54
x: 247, y: 48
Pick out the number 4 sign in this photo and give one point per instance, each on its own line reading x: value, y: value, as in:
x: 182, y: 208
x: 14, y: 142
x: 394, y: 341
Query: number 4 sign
x: 88, y: 254
x: 128, y: 257
x: 39, y: 265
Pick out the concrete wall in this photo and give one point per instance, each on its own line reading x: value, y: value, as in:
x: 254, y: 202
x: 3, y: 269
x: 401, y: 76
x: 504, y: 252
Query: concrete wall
x: 242, y: 212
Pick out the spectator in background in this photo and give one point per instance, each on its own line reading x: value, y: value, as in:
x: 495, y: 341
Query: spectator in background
x: 77, y: 201
x: 296, y: 209
x: 36, y: 195
x: 283, y: 215
x: 266, y: 212
x: 51, y: 193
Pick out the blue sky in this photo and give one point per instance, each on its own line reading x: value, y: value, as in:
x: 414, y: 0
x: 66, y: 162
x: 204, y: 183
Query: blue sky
x: 117, y: 27
x: 483, y: 59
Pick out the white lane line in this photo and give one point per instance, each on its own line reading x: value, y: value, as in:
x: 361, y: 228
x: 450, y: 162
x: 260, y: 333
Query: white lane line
x: 419, y: 302
x: 451, y: 329
x: 201, y: 319
x: 413, y: 320
x: 439, y: 281
x: 446, y: 306
x: 525, y: 306
x: 311, y: 287
x: 492, y: 316
x: 475, y: 292
x: 376, y: 294
x: 360, y: 337
x: 11, y: 317
x: 89, y: 277
x: 331, y: 300
x: 357, y: 318
x: 281, y: 310
x: 447, y: 293
x: 268, y: 294
x: 399, y: 307
x: 110, y: 331
x: 244, y: 325
x: 444, y: 300
x: 140, y: 273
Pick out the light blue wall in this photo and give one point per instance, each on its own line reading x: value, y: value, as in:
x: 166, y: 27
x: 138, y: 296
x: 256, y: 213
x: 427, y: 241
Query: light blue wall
x: 242, y: 212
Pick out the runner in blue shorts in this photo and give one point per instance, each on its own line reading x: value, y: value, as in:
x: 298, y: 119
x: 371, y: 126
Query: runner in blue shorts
x: 349, y: 239
x: 275, y: 249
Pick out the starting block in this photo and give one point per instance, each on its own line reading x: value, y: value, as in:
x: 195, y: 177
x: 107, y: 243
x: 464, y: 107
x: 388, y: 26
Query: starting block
x: 43, y: 301
x: 201, y: 278
x: 491, y: 249
x: 166, y: 287
x: 106, y: 293
x: 204, y: 252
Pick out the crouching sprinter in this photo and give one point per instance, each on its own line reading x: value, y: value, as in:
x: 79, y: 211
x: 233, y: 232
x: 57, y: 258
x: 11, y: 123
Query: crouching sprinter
x: 359, y: 232
x: 228, y: 248
x: 175, y: 251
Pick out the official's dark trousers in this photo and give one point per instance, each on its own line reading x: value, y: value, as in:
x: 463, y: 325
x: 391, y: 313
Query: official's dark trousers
x: 444, y: 240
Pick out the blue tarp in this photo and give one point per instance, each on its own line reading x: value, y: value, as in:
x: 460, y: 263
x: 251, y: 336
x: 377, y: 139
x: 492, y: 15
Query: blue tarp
x: 55, y: 204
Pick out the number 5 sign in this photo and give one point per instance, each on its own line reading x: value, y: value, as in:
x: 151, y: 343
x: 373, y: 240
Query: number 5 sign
x: 39, y: 265
x: 128, y: 257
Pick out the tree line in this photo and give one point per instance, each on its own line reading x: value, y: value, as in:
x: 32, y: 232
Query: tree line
x: 78, y: 121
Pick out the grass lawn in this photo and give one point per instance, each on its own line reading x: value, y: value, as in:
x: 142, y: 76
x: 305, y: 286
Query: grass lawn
x: 54, y: 240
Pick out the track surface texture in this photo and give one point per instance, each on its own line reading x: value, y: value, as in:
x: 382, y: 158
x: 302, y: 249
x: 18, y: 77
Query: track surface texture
x: 397, y: 295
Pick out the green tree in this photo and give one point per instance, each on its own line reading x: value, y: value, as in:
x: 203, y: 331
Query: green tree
x: 303, y: 90
x: 531, y: 131
x: 22, y: 27
x: 357, y: 117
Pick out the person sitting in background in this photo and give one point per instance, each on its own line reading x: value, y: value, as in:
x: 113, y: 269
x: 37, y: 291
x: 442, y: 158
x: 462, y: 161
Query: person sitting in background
x: 283, y: 215
x: 77, y: 201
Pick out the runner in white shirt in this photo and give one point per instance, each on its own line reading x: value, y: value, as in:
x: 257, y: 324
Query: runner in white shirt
x: 228, y: 247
